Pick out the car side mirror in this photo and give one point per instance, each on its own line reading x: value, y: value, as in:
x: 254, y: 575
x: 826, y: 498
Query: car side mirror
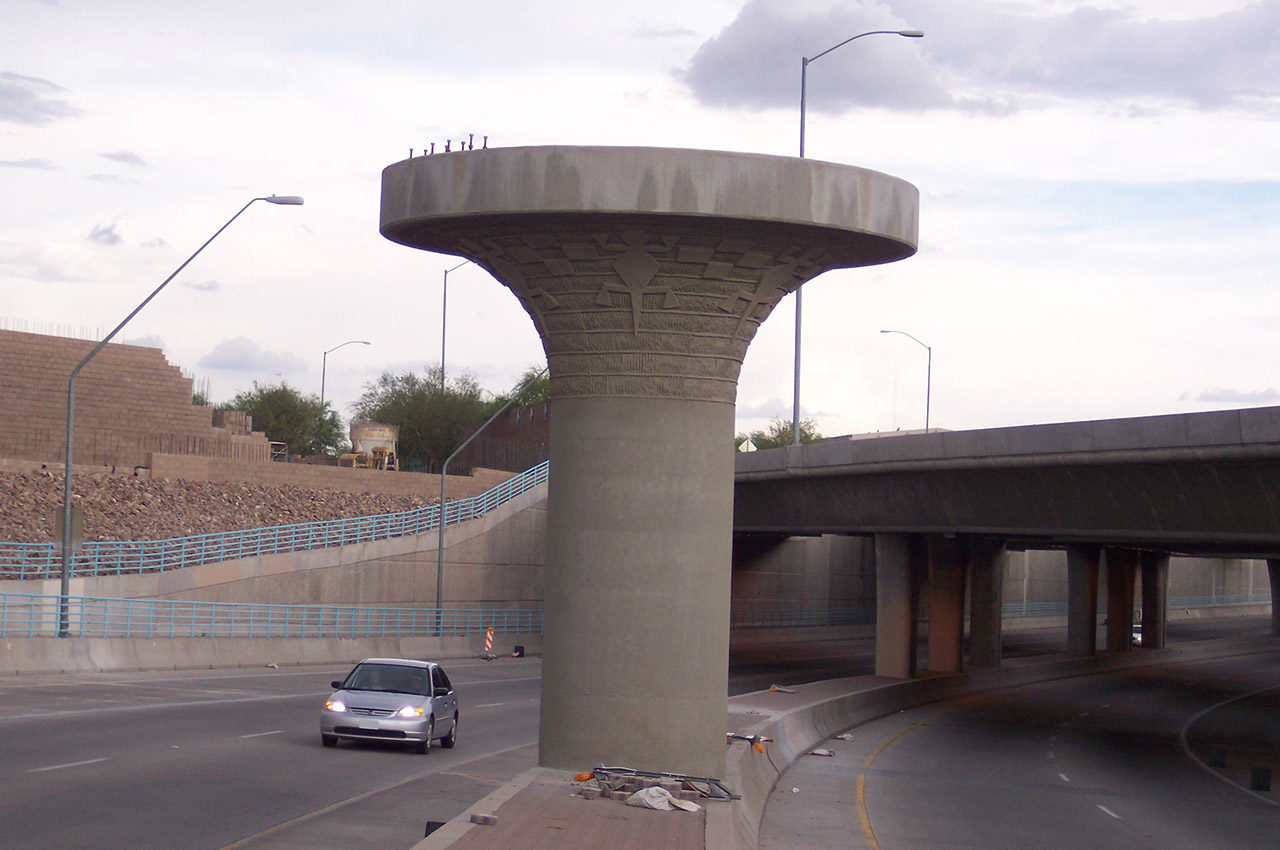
x: 335, y: 684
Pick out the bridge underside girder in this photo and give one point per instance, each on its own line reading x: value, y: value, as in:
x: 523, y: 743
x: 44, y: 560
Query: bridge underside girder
x: 1206, y: 507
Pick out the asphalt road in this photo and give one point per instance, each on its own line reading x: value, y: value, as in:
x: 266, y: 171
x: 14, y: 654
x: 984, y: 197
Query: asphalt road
x: 1157, y: 757
x: 210, y: 759
x: 213, y: 760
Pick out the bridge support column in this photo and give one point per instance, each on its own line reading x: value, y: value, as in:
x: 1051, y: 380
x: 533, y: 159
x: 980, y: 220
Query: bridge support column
x: 1155, y: 598
x: 646, y: 273
x: 1082, y: 599
x: 948, y: 572
x: 1273, y: 572
x: 897, y: 604
x: 1121, y: 571
x: 986, y: 601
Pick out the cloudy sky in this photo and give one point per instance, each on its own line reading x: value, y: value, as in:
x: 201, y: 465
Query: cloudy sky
x: 1100, y: 186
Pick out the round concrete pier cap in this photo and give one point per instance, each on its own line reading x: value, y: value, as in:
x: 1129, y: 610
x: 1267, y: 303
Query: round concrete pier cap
x: 858, y: 216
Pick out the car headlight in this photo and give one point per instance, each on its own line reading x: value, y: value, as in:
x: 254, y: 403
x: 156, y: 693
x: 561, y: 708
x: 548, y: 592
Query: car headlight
x: 335, y: 705
x: 411, y: 711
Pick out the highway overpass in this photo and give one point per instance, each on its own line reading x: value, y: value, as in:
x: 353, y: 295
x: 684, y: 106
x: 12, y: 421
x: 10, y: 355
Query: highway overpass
x: 944, y: 506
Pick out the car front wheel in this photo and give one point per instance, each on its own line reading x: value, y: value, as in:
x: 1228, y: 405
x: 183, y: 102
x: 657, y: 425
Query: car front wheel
x: 425, y: 744
x: 329, y: 740
x: 452, y: 738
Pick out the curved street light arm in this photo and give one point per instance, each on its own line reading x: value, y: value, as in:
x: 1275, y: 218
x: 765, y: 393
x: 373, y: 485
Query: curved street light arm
x: 928, y: 375
x: 804, y: 73
x: 444, y: 315
x: 287, y: 200
x: 444, y: 471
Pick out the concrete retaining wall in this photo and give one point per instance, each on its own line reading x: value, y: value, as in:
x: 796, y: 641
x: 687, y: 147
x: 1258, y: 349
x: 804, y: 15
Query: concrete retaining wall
x: 494, y: 561
x: 84, y: 655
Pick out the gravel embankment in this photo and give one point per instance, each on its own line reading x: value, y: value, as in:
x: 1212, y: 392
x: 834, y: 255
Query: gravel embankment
x: 121, y: 507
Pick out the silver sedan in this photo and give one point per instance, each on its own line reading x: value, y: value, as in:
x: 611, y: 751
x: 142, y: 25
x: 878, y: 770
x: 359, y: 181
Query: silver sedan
x: 397, y: 700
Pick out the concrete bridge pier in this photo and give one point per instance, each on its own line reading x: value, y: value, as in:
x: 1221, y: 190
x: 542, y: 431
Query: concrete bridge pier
x: 646, y: 272
x: 1122, y: 566
x: 901, y: 566
x: 1154, y: 568
x: 948, y: 579
x: 1083, y: 564
x: 1273, y: 573
x: 986, y: 601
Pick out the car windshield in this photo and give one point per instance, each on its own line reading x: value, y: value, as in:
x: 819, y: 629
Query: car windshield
x: 389, y: 677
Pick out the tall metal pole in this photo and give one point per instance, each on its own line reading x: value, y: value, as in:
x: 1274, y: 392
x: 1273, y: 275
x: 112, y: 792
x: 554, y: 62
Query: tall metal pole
x: 444, y: 315
x: 324, y: 365
x: 444, y: 471
x: 804, y: 70
x: 64, y: 593
x: 928, y: 375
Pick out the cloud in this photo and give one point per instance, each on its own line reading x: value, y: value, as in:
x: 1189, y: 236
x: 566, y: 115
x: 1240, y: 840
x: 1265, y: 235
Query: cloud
x: 31, y: 100
x: 984, y: 56
x: 112, y: 178
x: 1233, y: 396
x: 773, y: 408
x: 105, y: 234
x: 126, y: 157
x: 205, y: 286
x: 41, y: 164
x: 146, y: 341
x: 245, y: 355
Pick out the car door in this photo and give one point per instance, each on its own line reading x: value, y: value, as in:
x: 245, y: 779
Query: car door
x: 444, y: 702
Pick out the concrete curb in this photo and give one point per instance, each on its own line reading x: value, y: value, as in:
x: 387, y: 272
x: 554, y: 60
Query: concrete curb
x: 454, y: 829
x: 799, y: 721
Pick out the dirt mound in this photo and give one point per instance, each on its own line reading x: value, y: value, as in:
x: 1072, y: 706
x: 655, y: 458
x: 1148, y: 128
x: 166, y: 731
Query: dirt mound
x: 122, y: 507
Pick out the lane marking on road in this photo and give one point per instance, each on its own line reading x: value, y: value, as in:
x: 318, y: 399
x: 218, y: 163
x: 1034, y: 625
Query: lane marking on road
x: 63, y: 766
x: 262, y: 734
x: 181, y: 704
x: 1105, y: 810
x: 1064, y: 778
x: 341, y: 804
x: 864, y: 817
x: 1186, y: 746
x: 489, y: 705
x: 160, y: 706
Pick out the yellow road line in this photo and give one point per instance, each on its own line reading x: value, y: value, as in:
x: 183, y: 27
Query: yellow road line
x: 864, y: 819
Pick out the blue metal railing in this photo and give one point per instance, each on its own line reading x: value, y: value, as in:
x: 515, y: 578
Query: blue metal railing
x: 36, y: 615
x: 44, y: 561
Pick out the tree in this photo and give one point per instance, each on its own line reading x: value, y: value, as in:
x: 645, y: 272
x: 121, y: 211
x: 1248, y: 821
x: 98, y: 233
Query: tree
x: 779, y: 434
x: 287, y: 416
x: 432, y: 421
x: 533, y: 386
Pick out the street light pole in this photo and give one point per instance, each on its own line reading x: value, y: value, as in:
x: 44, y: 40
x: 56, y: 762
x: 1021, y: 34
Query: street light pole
x: 928, y: 375
x: 324, y: 365
x: 444, y: 323
x: 804, y: 74
x: 63, y: 624
x: 444, y: 473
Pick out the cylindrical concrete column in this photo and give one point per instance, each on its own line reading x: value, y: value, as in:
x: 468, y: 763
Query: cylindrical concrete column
x: 646, y: 273
x: 636, y: 646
